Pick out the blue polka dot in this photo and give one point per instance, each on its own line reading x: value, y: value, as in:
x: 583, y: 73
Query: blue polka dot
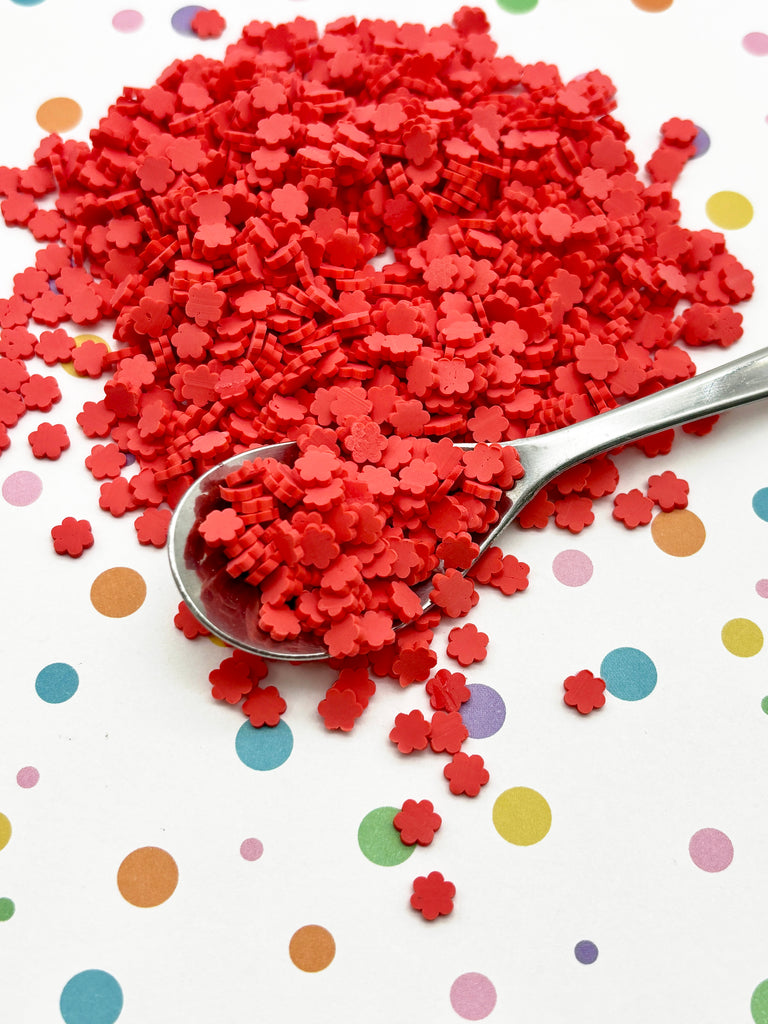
x: 629, y: 674
x: 181, y: 20
x: 91, y: 997
x: 760, y: 503
x: 701, y: 143
x: 265, y: 748
x: 484, y: 712
x: 56, y: 683
x: 585, y: 951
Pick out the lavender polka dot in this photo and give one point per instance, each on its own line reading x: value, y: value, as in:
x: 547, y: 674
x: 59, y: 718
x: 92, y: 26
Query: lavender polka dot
x: 755, y: 43
x: 710, y: 849
x: 22, y: 488
x: 127, y: 21
x: 572, y: 568
x: 762, y: 588
x: 473, y: 996
x: 181, y: 20
x: 251, y: 849
x: 27, y: 777
x: 484, y: 712
x: 701, y: 143
x: 585, y: 951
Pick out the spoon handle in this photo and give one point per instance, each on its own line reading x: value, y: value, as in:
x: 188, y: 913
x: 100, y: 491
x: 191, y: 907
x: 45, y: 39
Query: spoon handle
x: 735, y: 383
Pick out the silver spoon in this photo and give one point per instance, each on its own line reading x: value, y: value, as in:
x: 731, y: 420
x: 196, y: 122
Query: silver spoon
x: 226, y: 606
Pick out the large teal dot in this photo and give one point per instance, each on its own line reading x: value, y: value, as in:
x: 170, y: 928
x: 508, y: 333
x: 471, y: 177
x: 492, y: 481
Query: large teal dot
x: 264, y: 748
x: 56, y: 683
x: 27, y: 3
x: 380, y: 841
x: 91, y: 997
x: 760, y: 503
x: 629, y: 674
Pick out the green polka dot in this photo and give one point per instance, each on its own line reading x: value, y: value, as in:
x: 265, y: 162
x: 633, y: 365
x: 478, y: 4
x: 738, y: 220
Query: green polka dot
x: 379, y: 839
x: 517, y: 6
x: 7, y: 907
x: 742, y: 637
x: 759, y: 1003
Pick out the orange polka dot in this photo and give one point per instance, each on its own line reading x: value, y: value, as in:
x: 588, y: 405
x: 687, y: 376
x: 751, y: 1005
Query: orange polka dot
x: 312, y: 948
x: 118, y: 592
x: 653, y: 5
x: 679, y: 532
x: 59, y: 114
x: 147, y: 877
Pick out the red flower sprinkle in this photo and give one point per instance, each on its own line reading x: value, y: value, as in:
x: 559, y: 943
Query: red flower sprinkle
x: 633, y: 509
x: 466, y: 773
x: 72, y: 537
x: 584, y: 691
x: 417, y: 822
x: 433, y: 895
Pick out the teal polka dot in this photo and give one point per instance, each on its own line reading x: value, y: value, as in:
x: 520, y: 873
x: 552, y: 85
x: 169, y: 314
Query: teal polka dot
x: 56, y: 683
x: 760, y: 503
x: 629, y: 674
x: 91, y: 997
x: 265, y: 748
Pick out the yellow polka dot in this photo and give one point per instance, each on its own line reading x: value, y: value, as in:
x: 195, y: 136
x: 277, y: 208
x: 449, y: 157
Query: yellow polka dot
x: 679, y: 532
x: 742, y: 637
x: 5, y: 831
x: 118, y: 592
x: 729, y: 210
x: 59, y: 114
x: 522, y: 816
x: 312, y: 948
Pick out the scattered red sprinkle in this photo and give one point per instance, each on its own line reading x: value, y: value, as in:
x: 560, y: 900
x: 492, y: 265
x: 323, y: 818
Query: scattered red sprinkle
x: 72, y: 537
x: 633, y: 509
x: 467, y: 644
x: 185, y: 621
x: 668, y: 491
x: 417, y: 822
x: 410, y: 732
x: 433, y: 895
x: 584, y: 691
x: 208, y: 24
x: 49, y: 440
x: 466, y: 773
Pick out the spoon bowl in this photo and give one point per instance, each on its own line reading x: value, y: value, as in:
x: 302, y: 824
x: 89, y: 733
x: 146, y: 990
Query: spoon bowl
x: 229, y: 607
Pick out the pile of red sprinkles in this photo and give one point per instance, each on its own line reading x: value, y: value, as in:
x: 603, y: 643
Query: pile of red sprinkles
x: 378, y: 240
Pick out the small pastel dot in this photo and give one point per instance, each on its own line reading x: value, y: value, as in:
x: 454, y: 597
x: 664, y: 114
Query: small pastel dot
x: 5, y: 831
x: 680, y: 532
x: 572, y: 568
x: 265, y: 748
x: 701, y: 143
x: 147, y: 877
x: 118, y: 592
x: 760, y: 504
x: 380, y: 841
x: 653, y: 6
x: 127, y: 21
x: 522, y: 816
x: 629, y: 674
x: 473, y: 996
x: 22, y: 488
x: 91, y: 997
x: 312, y: 948
x: 59, y: 114
x: 755, y: 43
x: 761, y: 587
x: 27, y: 777
x: 710, y: 849
x: 764, y: 705
x: 7, y: 908
x: 251, y: 849
x: 759, y: 1003
x: 485, y: 711
x: 729, y: 210
x: 57, y: 683
x: 181, y: 20
x: 742, y: 637
x: 585, y: 951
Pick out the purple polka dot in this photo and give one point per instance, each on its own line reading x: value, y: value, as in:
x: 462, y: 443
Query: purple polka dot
x: 473, y: 996
x: 572, y: 568
x: 755, y: 43
x: 762, y: 588
x: 585, y: 951
x: 701, y: 143
x: 22, y: 488
x: 251, y: 849
x: 181, y: 20
x: 484, y: 712
x: 27, y: 777
x: 710, y: 849
x: 127, y: 21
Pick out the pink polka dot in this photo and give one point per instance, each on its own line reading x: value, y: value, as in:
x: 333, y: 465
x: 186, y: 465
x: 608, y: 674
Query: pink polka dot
x: 27, y: 777
x: 127, y: 21
x: 710, y: 849
x: 473, y: 996
x: 762, y: 588
x: 251, y: 849
x: 22, y: 488
x: 572, y: 568
x: 755, y: 43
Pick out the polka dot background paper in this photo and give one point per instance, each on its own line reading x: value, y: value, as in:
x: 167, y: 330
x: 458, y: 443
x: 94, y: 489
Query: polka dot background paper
x: 162, y: 859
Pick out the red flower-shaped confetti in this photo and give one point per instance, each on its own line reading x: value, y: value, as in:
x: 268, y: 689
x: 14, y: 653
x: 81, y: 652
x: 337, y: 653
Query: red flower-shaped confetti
x: 417, y: 822
x: 447, y: 732
x: 668, y: 491
x: 584, y: 691
x: 72, y: 537
x: 152, y: 526
x: 49, y: 440
x: 264, y: 705
x: 447, y: 690
x: 433, y: 895
x: 633, y: 509
x: 340, y: 709
x: 467, y: 644
x: 411, y: 732
x: 466, y: 773
x: 185, y: 621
